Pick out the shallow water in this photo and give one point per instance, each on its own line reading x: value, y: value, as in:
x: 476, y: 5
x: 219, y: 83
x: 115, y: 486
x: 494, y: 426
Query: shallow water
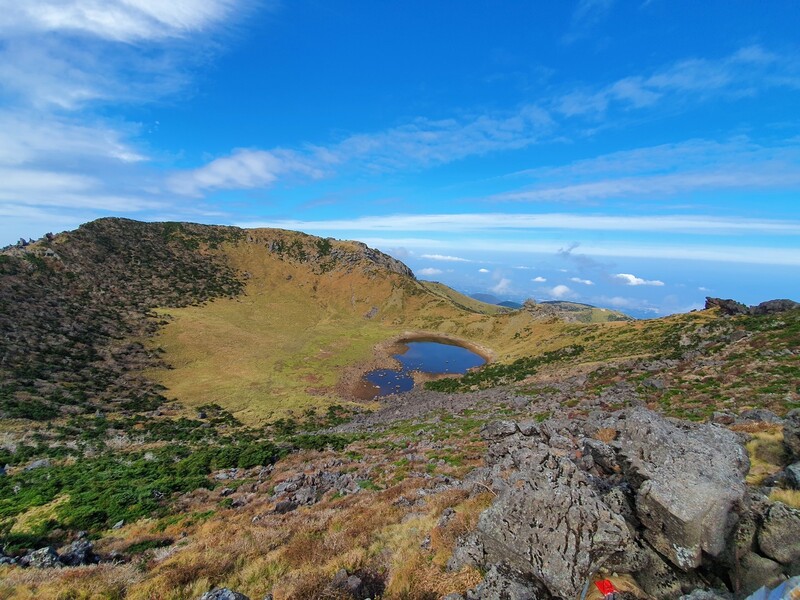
x: 427, y: 357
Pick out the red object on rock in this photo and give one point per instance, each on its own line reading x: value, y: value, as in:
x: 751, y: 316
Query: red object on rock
x: 605, y: 586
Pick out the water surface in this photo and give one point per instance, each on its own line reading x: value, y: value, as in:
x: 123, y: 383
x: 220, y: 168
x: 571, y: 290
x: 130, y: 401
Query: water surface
x: 426, y: 357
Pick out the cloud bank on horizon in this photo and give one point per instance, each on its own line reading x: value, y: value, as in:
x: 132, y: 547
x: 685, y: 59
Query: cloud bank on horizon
x: 623, y: 165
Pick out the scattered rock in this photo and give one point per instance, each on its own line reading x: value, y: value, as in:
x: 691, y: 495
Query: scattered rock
x: 80, y: 552
x: 223, y: 594
x: 38, y: 464
x: 285, y: 506
x: 759, y: 415
x: 43, y: 558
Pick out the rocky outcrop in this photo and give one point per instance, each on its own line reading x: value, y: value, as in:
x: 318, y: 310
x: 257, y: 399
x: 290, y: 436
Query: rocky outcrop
x: 633, y: 493
x: 732, y: 307
x: 727, y: 306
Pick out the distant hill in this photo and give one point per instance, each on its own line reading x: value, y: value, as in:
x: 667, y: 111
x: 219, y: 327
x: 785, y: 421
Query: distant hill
x: 487, y: 298
x: 510, y: 304
x: 586, y: 313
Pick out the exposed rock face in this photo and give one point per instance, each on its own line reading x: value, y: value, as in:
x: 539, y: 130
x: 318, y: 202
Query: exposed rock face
x: 692, y: 486
x: 774, y: 306
x: 732, y: 307
x: 631, y: 492
x: 727, y: 306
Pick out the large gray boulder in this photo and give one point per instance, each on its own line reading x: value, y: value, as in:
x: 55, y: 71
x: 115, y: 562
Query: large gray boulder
x: 630, y: 492
x: 691, y: 487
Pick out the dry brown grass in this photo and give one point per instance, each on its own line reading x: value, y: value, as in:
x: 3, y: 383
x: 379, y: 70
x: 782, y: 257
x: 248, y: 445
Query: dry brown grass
x: 767, y: 455
x: 788, y: 497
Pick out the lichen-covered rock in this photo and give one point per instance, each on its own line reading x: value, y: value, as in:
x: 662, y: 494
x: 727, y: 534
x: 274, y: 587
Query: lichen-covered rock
x: 779, y: 536
x: 43, y: 558
x: 691, y: 483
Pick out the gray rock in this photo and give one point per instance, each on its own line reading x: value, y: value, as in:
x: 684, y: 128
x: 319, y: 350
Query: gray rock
x: 692, y: 483
x: 727, y: 307
x: 756, y: 571
x: 760, y: 415
x: 779, y: 536
x: 119, y: 524
x: 223, y: 594
x: 505, y: 585
x: 498, y: 429
x: 38, y: 464
x: 43, y: 558
x: 791, y: 434
x: 774, y: 306
x: 285, y: 506
x: 549, y: 524
x: 707, y: 595
x: 80, y: 552
x: 453, y: 596
x: 792, y: 476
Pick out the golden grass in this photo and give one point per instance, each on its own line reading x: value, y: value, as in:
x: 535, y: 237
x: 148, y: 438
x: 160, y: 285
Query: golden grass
x: 767, y: 455
x: 788, y: 497
x: 286, y: 345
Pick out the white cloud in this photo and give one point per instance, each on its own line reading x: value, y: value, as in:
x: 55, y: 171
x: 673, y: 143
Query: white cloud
x: 444, y: 257
x: 241, y: 170
x: 629, y: 303
x: 502, y: 287
x: 483, y: 270
x: 428, y: 271
x: 118, y: 20
x: 629, y: 279
x: 539, y: 279
x: 560, y: 292
x: 583, y: 281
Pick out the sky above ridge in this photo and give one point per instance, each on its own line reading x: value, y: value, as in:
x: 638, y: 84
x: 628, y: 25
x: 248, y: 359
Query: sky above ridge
x: 637, y: 155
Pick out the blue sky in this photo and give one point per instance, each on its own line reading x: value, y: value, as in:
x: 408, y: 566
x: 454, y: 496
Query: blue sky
x: 634, y: 155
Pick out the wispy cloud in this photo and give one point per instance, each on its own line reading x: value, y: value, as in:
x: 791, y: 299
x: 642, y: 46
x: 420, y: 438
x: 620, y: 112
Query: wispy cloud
x: 665, y: 170
x: 242, y: 170
x: 748, y: 71
x: 629, y: 279
x: 474, y: 222
x: 583, y: 281
x: 445, y: 258
x: 539, y: 279
x: 428, y: 271
x: 483, y: 270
